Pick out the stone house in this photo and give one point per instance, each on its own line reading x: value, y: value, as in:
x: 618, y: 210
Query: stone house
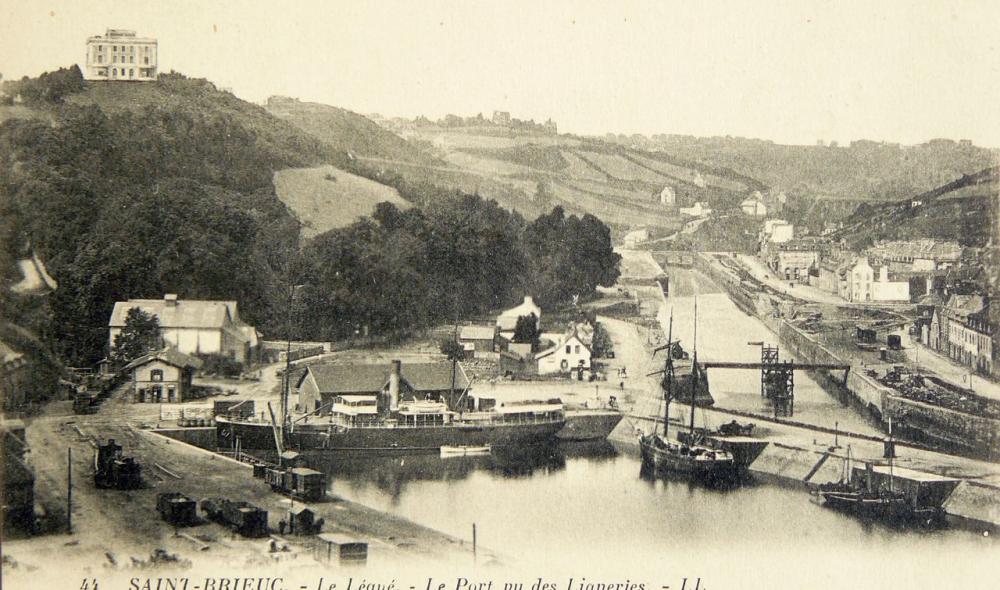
x: 162, y: 377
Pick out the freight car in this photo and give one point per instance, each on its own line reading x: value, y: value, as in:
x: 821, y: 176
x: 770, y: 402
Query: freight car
x: 298, y: 482
x: 113, y: 470
x: 177, y: 509
x: 85, y: 402
x: 242, y: 517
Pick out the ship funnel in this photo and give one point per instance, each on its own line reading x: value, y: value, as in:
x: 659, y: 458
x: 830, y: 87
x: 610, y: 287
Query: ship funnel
x: 394, y: 371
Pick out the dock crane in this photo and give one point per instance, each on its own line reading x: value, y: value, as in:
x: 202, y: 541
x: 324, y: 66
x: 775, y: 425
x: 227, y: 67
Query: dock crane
x: 777, y: 378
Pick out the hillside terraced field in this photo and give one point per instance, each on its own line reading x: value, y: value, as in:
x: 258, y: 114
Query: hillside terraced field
x: 618, y: 185
x: 325, y: 197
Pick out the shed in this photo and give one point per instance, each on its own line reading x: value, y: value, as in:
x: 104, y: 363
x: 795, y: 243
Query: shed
x: 292, y: 459
x: 301, y: 521
x: 867, y: 335
x: 482, y: 338
x: 176, y: 508
x: 338, y: 548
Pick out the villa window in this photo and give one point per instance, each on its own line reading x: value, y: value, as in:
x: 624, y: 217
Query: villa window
x: 156, y: 375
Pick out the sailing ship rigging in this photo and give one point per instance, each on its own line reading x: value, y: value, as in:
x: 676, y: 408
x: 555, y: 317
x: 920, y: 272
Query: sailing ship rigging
x: 672, y: 457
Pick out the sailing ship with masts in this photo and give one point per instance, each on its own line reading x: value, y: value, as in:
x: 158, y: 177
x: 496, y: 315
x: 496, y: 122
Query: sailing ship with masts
x: 673, y: 457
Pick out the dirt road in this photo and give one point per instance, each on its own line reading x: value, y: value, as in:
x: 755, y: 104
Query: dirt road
x: 113, y: 528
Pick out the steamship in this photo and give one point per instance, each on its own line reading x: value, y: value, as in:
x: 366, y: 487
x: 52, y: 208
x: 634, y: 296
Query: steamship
x: 365, y: 407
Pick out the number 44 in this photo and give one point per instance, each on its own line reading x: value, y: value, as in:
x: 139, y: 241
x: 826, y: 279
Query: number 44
x: 90, y: 584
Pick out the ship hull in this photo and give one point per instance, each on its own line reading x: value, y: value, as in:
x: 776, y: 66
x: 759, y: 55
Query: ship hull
x: 867, y: 507
x: 665, y: 462
x: 744, y: 449
x: 586, y: 424
x: 257, y: 435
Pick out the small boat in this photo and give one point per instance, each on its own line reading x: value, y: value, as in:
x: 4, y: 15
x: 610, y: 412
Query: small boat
x: 464, y: 450
x: 867, y: 498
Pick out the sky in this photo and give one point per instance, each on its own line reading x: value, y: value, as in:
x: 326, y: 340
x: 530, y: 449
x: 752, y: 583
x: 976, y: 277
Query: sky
x: 792, y: 72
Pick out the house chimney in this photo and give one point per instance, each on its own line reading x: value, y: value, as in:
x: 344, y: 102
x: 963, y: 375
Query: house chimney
x: 170, y: 299
x: 394, y: 370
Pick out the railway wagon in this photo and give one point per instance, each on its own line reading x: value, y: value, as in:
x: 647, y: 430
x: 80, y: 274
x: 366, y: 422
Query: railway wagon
x: 242, y: 517
x: 113, y: 470
x: 299, y: 482
x: 177, y: 509
x: 85, y: 403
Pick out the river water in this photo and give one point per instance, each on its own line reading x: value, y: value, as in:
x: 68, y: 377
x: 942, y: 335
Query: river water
x: 589, y: 508
x: 582, y: 508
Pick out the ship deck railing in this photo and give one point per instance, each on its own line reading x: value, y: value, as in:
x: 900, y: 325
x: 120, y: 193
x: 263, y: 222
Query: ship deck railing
x: 474, y: 418
x: 477, y: 418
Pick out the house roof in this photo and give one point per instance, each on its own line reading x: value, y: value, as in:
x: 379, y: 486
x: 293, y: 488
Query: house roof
x: 568, y: 337
x: 355, y: 378
x: 477, y: 332
x: 171, y: 356
x: 8, y: 356
x: 527, y: 307
x: 930, y: 299
x: 965, y: 304
x: 922, y: 248
x: 181, y: 313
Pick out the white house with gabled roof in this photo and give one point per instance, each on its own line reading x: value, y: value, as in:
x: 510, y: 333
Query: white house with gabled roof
x: 570, y: 353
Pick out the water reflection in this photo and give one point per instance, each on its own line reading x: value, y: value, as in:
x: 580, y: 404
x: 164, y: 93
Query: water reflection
x: 392, y: 472
x: 580, y: 503
x: 648, y: 474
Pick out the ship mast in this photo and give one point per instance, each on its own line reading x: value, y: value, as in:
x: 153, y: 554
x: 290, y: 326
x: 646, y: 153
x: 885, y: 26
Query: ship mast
x: 892, y: 453
x: 694, y: 366
x: 669, y: 375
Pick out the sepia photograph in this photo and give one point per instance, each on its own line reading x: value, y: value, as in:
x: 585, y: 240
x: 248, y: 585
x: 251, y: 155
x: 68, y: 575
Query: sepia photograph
x: 510, y: 295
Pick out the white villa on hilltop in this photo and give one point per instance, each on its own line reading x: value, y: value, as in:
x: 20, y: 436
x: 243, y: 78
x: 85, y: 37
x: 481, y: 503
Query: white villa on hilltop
x: 120, y: 55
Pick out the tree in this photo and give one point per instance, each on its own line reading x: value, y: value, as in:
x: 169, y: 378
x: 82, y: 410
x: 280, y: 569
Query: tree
x: 602, y: 344
x: 140, y: 335
x: 526, y: 330
x: 452, y: 349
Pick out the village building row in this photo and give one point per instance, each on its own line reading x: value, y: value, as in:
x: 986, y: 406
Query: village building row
x: 964, y: 329
x: 569, y: 353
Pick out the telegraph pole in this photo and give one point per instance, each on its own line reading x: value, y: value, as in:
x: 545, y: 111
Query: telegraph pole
x: 69, y: 490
